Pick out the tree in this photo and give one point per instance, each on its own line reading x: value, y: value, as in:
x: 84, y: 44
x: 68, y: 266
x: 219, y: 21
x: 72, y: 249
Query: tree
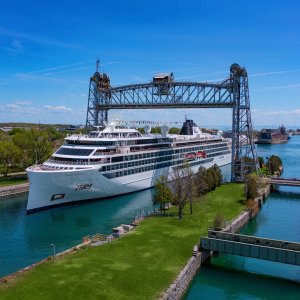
x: 155, y: 130
x: 34, y: 145
x: 182, y: 188
x: 200, y: 182
x: 174, y: 130
x: 162, y: 193
x: 219, y: 222
x: 261, y: 161
x: 274, y: 164
x: 10, y: 155
x: 211, y: 179
x: 15, y: 130
x: 251, y: 186
x: 217, y: 174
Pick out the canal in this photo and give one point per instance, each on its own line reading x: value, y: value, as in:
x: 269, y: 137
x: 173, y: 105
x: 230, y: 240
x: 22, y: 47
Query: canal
x: 234, y: 277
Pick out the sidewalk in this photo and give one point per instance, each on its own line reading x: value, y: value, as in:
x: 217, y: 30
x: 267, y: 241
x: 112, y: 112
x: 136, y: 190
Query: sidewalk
x: 14, y: 189
x: 14, y: 174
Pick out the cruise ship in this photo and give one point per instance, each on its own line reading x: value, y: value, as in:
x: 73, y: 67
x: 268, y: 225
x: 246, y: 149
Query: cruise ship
x: 116, y: 160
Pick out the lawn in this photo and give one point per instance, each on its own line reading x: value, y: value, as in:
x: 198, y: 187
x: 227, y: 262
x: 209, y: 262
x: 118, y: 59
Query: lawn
x: 11, y: 181
x: 140, y: 265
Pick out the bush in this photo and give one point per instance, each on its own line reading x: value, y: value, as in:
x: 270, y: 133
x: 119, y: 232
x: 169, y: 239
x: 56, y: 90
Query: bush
x: 251, y: 186
x: 274, y: 163
x: 219, y: 222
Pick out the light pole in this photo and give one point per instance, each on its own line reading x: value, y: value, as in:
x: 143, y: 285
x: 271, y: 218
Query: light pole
x: 53, y: 251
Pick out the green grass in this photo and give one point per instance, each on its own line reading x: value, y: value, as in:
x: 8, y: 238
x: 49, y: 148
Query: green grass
x: 265, y: 170
x: 11, y: 181
x: 139, y: 265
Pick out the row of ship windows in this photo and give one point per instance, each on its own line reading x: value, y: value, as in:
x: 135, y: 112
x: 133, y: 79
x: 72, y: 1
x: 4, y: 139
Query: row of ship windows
x: 179, y: 164
x: 87, y: 152
x: 153, y: 161
x: 135, y: 163
x: 168, y: 152
x: 130, y: 163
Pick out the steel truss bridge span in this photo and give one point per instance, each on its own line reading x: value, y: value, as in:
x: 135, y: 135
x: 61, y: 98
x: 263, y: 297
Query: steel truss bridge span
x: 180, y: 95
x: 251, y: 246
x: 232, y: 93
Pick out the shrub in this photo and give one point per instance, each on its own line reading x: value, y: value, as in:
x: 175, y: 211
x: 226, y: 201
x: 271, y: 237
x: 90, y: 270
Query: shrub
x: 219, y: 222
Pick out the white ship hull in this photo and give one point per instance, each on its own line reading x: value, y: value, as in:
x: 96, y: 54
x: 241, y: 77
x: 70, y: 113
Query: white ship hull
x: 54, y: 188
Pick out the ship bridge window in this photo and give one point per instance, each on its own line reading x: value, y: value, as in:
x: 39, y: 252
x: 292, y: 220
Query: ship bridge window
x: 110, y: 135
x: 117, y: 158
x: 132, y: 134
x: 74, y: 152
x: 93, y: 134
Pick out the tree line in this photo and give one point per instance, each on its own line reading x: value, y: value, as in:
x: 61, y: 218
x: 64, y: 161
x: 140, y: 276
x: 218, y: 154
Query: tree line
x: 24, y: 147
x: 185, y: 187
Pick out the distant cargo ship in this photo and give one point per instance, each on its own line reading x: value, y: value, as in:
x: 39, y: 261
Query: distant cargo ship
x: 273, y: 136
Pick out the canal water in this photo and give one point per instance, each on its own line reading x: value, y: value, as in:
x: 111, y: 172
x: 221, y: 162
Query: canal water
x: 234, y: 277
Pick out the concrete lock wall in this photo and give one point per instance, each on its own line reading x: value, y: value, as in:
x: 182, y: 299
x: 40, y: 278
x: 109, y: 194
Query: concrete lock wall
x: 183, y: 280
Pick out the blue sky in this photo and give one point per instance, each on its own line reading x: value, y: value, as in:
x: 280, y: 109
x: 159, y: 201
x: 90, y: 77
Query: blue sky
x: 48, y: 51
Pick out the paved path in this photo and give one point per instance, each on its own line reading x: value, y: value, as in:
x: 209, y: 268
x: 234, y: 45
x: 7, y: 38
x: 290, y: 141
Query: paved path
x: 15, y: 174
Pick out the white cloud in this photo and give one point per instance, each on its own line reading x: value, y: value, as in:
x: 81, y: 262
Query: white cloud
x: 14, y: 109
x: 57, y: 108
x: 12, y: 106
x: 271, y: 73
x: 37, y: 39
x: 271, y: 117
x: 279, y: 87
x: 23, y: 102
x: 15, y: 47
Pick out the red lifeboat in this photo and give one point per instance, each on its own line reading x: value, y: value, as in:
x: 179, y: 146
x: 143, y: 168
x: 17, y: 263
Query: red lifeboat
x: 201, y: 154
x: 190, y: 156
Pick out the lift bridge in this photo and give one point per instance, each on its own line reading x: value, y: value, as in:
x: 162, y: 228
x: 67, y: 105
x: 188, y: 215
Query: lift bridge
x: 165, y: 93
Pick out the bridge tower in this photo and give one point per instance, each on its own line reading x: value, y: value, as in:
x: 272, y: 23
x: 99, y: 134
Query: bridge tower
x: 99, y: 95
x: 244, y: 158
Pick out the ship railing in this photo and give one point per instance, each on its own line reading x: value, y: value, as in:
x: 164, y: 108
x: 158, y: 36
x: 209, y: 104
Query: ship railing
x: 102, y: 161
x: 36, y: 167
x: 104, y: 153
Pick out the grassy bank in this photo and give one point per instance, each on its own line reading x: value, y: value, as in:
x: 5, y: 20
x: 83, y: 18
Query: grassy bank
x: 140, y: 265
x: 11, y: 181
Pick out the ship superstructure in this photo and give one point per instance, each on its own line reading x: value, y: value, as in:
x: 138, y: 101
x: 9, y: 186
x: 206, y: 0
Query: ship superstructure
x: 273, y: 136
x: 116, y: 161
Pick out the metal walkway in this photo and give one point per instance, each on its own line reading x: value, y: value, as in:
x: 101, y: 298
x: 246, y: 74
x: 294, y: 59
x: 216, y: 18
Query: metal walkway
x: 251, y: 246
x: 285, y: 181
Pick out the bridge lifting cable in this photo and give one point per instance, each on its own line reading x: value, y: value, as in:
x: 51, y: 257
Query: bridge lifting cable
x: 165, y: 92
